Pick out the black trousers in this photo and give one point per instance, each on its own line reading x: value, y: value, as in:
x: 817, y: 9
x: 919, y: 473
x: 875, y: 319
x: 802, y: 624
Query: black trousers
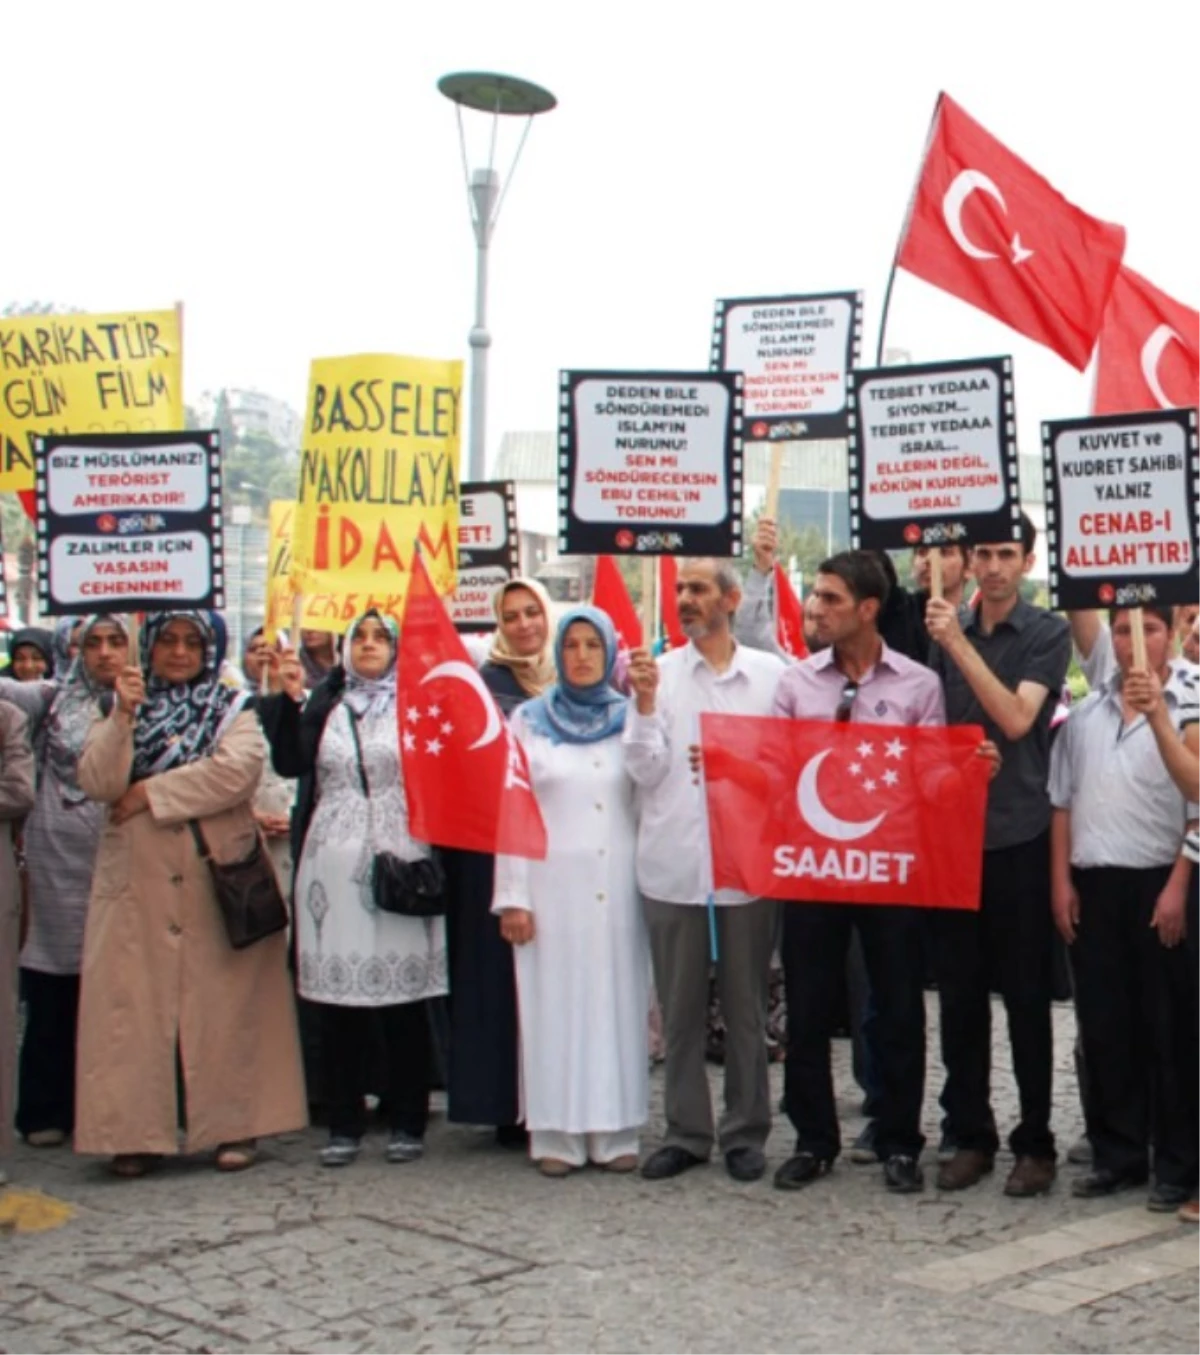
x: 1135, y: 1001
x: 1008, y: 946
x: 347, y: 1043
x: 816, y: 938
x: 46, y: 1078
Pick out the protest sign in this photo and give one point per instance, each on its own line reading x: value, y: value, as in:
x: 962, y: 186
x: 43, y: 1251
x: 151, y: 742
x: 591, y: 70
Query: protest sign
x: 378, y: 475
x: 129, y: 522
x: 794, y: 352
x: 650, y: 463
x: 933, y: 455
x: 277, y: 614
x: 1121, y: 509
x: 118, y: 373
x: 487, y: 551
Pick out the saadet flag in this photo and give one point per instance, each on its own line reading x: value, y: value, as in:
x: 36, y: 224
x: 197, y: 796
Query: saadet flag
x: 819, y: 812
x: 986, y: 227
x: 789, y: 616
x: 465, y: 775
x: 1149, y: 354
x: 610, y: 595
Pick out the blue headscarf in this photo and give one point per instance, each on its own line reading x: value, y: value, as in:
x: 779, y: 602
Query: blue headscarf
x: 570, y: 714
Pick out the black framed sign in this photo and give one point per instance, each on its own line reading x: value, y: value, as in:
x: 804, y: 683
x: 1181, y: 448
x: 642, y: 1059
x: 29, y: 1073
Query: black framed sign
x: 487, y: 550
x: 933, y: 455
x: 650, y: 463
x: 794, y: 352
x: 129, y: 522
x: 1121, y: 509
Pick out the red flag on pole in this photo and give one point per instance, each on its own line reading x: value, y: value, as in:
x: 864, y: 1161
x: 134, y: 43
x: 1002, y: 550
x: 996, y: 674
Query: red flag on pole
x: 845, y: 813
x: 1149, y: 356
x: 610, y: 595
x: 465, y: 776
x: 789, y: 616
x: 668, y: 575
x: 986, y: 227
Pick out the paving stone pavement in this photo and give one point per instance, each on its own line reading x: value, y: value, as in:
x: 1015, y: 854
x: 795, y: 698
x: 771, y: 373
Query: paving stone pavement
x: 472, y: 1250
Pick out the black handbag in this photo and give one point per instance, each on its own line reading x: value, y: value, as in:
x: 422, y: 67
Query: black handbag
x: 411, y: 888
x: 247, y: 893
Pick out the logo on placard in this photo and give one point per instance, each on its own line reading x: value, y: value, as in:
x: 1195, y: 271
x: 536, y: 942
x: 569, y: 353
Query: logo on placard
x: 966, y: 183
x: 758, y: 429
x: 106, y: 522
x: 625, y: 539
x: 912, y: 534
x: 1106, y: 592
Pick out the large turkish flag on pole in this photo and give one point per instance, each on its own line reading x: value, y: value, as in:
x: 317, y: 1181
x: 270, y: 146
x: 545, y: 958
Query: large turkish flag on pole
x: 610, y: 595
x: 465, y: 775
x: 986, y: 227
x: 819, y: 812
x: 668, y: 601
x: 1149, y: 355
x: 789, y: 616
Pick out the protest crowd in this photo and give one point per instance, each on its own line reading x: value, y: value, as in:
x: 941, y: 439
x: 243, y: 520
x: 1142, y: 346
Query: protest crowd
x: 524, y: 985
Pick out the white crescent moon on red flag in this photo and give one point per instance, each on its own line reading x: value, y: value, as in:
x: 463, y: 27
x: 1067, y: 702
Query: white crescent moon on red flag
x: 464, y: 672
x: 959, y: 191
x: 814, y: 813
x: 1152, y: 351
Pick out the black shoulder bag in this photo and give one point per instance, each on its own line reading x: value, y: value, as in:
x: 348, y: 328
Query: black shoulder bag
x: 411, y: 888
x: 247, y: 893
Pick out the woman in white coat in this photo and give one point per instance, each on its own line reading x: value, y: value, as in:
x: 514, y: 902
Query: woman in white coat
x: 575, y: 919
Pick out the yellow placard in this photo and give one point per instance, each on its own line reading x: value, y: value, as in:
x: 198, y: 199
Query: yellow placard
x: 378, y: 474
x: 278, y: 610
x: 120, y: 373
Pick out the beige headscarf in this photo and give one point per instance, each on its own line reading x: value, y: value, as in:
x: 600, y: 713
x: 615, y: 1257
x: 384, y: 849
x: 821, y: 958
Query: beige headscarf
x: 533, y: 672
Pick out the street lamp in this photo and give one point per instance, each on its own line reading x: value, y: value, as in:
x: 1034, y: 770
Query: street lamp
x: 498, y: 96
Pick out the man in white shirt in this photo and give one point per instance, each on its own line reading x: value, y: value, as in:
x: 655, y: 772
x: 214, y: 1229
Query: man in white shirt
x: 711, y: 673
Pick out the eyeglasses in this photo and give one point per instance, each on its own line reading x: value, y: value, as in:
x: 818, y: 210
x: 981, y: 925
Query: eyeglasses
x: 845, y: 704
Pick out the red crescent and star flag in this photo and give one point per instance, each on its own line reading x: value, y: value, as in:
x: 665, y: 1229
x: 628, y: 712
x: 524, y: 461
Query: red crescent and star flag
x: 789, y: 616
x: 989, y: 229
x: 611, y: 596
x: 817, y: 812
x: 1149, y: 355
x: 466, y: 777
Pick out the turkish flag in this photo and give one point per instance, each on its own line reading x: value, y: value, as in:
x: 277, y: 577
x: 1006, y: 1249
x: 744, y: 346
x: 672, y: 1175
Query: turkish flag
x: 465, y: 775
x: 789, y: 616
x: 819, y: 812
x: 668, y: 576
x: 1149, y: 356
x: 986, y: 227
x: 610, y: 595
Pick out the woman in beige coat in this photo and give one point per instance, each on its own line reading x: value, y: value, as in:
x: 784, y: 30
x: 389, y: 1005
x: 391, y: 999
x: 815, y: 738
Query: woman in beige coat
x: 161, y: 986
x: 16, y: 800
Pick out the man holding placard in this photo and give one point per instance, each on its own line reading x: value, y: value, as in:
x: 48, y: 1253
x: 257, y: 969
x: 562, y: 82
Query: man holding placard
x: 1003, y: 669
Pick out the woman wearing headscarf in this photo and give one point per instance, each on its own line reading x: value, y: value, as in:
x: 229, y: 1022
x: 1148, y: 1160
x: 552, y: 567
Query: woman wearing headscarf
x: 16, y: 799
x: 60, y: 840
x: 367, y: 969
x: 161, y: 987
x: 483, y: 1084
x: 31, y: 654
x: 575, y: 919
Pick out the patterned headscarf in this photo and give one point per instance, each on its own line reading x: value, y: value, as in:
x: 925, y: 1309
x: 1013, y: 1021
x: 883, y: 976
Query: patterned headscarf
x: 571, y: 714
x: 181, y: 722
x: 533, y: 672
x: 371, y: 696
x: 75, y: 705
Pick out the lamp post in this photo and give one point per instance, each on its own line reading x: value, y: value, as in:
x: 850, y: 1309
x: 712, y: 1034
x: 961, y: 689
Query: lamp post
x: 498, y: 96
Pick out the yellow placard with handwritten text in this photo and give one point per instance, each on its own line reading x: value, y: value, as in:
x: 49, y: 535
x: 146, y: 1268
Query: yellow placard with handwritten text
x: 378, y: 475
x: 278, y: 610
x: 120, y: 373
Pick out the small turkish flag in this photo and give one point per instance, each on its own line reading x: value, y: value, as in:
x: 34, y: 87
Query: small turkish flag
x: 610, y: 595
x: 1149, y: 355
x: 668, y: 577
x: 989, y: 229
x: 465, y: 776
x: 789, y: 616
x: 819, y: 812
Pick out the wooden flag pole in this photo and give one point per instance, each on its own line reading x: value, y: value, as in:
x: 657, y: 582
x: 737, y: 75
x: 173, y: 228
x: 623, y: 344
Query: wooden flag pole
x: 135, y: 657
x: 649, y: 582
x: 774, y: 474
x: 935, y: 572
x: 1137, y: 631
x: 297, y: 619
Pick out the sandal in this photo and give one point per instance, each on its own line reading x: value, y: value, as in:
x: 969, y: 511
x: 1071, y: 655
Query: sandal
x: 236, y: 1157
x: 130, y: 1165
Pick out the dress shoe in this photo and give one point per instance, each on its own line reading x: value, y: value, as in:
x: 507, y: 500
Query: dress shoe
x: 1105, y: 1181
x: 862, y: 1150
x: 668, y: 1161
x: 903, y: 1175
x: 745, y: 1164
x: 966, y: 1168
x: 1030, y: 1176
x: 801, y: 1170
x: 1167, y: 1199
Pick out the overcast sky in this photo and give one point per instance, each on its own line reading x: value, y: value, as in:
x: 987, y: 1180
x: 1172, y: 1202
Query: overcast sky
x: 291, y: 173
